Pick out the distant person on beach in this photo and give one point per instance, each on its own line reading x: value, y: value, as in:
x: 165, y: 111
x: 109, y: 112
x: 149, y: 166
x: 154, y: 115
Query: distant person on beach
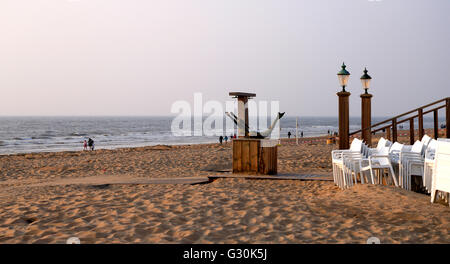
x: 301, y: 134
x: 91, y: 143
x: 329, y: 132
x: 85, y: 145
x: 289, y: 134
x: 220, y: 139
x: 226, y: 139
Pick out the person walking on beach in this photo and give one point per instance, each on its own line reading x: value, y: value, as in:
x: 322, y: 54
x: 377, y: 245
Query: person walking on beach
x: 221, y: 139
x: 226, y: 139
x: 301, y: 134
x: 289, y: 134
x: 91, y: 143
x: 85, y: 145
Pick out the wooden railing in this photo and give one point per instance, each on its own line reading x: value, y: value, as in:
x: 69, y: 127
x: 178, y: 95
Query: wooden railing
x: 390, y: 125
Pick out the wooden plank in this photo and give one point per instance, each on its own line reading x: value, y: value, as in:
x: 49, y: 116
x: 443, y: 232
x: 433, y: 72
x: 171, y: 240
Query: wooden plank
x: 261, y: 161
x: 447, y: 118
x: 394, y: 130
x: 436, y: 124
x: 301, y: 177
x: 420, y: 113
x: 411, y: 131
x: 240, y: 94
x: 388, y: 133
x: 254, y: 153
x: 185, y: 180
x: 237, y: 165
x: 245, y: 156
x: 275, y: 160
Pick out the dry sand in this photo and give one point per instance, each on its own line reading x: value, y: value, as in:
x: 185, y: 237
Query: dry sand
x: 49, y: 197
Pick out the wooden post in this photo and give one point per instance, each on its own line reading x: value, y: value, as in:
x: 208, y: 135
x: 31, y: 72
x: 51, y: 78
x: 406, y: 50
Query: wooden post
x: 242, y: 100
x: 343, y: 120
x: 366, y: 118
x: 388, y: 133
x: 243, y: 113
x: 421, y: 123
x: 447, y: 117
x: 411, y: 131
x: 436, y: 124
x: 394, y: 130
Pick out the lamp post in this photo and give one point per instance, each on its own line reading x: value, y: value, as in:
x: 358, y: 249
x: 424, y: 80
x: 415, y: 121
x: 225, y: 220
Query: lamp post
x: 343, y: 76
x: 366, y: 109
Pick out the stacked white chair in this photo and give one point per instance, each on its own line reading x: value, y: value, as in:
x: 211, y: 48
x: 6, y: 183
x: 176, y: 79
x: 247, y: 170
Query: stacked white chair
x: 337, y: 157
x: 426, y: 140
x: 378, y: 161
x: 394, y: 156
x: 352, y: 165
x: 409, y: 160
x: 412, y: 161
x: 429, y: 164
x: 441, y: 171
x: 382, y: 143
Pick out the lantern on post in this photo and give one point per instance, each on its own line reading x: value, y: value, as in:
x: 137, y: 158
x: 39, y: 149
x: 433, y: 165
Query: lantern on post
x: 366, y: 109
x: 343, y: 76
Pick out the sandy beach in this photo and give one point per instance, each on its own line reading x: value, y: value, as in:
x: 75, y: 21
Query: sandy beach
x: 49, y: 197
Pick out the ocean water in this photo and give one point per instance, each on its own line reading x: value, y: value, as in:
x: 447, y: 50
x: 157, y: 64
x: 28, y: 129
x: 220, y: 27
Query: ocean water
x: 51, y: 134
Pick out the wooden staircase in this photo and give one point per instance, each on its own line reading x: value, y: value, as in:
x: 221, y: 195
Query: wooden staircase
x: 390, y: 126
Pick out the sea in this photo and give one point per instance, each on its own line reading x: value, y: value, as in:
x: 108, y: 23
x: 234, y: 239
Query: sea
x: 53, y: 134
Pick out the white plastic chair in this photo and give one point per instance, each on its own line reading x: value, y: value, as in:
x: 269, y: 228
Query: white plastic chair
x: 379, y: 162
x: 429, y: 164
x: 411, y: 163
x: 352, y: 165
x: 338, y: 161
x: 382, y: 142
x: 441, y: 172
x: 394, y: 156
x: 426, y: 140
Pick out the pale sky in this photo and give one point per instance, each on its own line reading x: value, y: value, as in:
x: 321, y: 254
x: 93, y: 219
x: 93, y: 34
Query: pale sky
x: 137, y: 57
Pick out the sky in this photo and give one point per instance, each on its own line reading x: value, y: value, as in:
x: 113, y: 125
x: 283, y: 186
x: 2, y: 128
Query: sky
x: 138, y: 57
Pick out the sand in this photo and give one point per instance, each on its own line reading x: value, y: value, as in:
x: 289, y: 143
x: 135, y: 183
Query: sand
x: 50, y: 197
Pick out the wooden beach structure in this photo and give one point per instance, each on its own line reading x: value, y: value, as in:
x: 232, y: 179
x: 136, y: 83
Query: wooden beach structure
x: 257, y: 156
x: 252, y: 155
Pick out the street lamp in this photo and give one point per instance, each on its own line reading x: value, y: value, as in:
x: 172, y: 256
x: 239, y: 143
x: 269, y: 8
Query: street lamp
x: 343, y: 76
x: 365, y: 80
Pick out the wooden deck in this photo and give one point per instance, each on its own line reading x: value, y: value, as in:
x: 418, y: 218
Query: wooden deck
x: 184, y: 180
x: 301, y: 177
